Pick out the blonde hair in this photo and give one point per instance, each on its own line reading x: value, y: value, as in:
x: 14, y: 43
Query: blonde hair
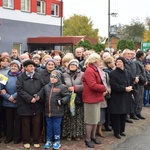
x: 92, y: 59
x: 107, y: 60
x: 67, y: 58
x: 44, y: 57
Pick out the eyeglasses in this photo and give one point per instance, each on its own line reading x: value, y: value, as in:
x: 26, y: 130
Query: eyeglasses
x: 53, y: 76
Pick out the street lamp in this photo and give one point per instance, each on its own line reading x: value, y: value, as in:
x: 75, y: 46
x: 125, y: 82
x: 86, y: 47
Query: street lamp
x: 109, y: 28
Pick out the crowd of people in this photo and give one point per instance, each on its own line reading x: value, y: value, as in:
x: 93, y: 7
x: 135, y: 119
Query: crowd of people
x: 71, y: 96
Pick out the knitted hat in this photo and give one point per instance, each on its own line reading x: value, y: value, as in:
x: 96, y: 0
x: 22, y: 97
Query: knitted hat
x: 122, y: 59
x: 56, y: 74
x: 50, y: 60
x: 16, y: 62
x: 28, y: 62
x: 74, y: 62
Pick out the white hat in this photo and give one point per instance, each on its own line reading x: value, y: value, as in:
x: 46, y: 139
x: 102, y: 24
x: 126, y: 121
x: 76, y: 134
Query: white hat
x: 74, y: 62
x: 16, y: 62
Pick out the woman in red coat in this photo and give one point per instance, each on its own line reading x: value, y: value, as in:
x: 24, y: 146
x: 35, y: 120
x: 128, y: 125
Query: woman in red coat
x: 93, y: 94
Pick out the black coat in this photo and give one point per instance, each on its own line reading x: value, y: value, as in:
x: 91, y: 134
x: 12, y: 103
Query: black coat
x: 121, y: 101
x: 26, y: 88
x: 45, y: 76
x: 51, y: 93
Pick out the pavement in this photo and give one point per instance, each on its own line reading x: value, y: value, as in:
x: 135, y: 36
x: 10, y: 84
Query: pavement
x: 133, y: 130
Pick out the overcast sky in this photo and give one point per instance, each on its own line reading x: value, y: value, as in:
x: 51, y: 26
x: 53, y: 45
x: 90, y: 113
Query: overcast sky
x: 97, y: 10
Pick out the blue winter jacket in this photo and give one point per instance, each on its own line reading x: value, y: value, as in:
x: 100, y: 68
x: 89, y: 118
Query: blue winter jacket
x: 10, y: 88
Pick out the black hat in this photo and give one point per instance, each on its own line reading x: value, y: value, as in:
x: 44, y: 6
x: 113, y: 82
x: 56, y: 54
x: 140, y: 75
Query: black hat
x: 28, y: 62
x: 122, y: 59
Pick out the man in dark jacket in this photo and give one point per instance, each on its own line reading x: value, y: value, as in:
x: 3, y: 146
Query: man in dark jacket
x: 142, y: 81
x: 30, y: 106
x: 132, y: 66
x: 79, y: 53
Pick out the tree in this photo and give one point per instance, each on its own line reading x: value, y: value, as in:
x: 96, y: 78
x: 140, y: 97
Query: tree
x: 146, y: 36
x: 98, y: 47
x: 78, y: 25
x: 134, y: 31
x: 86, y: 44
x: 147, y: 21
x: 123, y: 44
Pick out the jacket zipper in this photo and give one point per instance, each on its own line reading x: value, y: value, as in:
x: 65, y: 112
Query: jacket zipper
x: 49, y: 101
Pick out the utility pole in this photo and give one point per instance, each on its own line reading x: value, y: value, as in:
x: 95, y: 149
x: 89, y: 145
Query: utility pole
x: 61, y: 24
x: 61, y: 20
x: 109, y: 24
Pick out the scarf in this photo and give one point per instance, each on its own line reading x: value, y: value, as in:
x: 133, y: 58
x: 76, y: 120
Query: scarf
x: 102, y: 77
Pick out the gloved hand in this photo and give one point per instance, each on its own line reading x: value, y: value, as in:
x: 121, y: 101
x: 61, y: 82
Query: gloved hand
x: 59, y: 102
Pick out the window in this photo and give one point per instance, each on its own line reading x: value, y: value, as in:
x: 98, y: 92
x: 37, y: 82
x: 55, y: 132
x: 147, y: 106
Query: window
x: 54, y: 9
x: 17, y: 46
x: 8, y: 3
x: 25, y: 5
x: 40, y: 7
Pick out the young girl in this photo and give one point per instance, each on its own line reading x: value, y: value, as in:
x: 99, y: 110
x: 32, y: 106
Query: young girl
x: 56, y: 95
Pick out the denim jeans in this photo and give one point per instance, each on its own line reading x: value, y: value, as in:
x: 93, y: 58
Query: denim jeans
x: 53, y: 128
x: 146, y: 96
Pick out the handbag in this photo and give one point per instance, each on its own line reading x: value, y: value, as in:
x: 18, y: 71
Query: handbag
x: 107, y: 97
x: 78, y: 98
x: 72, y: 103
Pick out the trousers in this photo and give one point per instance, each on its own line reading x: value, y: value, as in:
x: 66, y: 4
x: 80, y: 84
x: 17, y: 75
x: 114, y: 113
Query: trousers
x: 53, y: 128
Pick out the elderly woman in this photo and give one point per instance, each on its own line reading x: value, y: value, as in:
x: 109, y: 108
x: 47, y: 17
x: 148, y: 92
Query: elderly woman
x: 73, y: 126
x: 30, y: 105
x: 109, y: 64
x: 43, y: 61
x: 65, y: 61
x: 9, y: 95
x: 45, y: 73
x: 120, y: 105
x: 92, y: 96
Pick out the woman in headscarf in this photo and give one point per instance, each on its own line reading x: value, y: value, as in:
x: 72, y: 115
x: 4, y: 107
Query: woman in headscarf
x: 120, y: 104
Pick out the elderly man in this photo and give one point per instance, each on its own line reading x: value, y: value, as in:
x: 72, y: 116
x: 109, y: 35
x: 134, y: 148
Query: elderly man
x: 24, y: 57
x: 79, y: 53
x: 86, y: 54
x: 133, y: 67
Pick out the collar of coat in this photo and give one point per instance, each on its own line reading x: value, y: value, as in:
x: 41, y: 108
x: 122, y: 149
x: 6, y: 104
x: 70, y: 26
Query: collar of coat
x: 93, y: 67
x: 35, y: 76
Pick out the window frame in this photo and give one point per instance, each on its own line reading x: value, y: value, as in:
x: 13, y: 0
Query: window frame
x: 41, y: 7
x: 8, y: 4
x: 55, y: 11
x: 26, y: 8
